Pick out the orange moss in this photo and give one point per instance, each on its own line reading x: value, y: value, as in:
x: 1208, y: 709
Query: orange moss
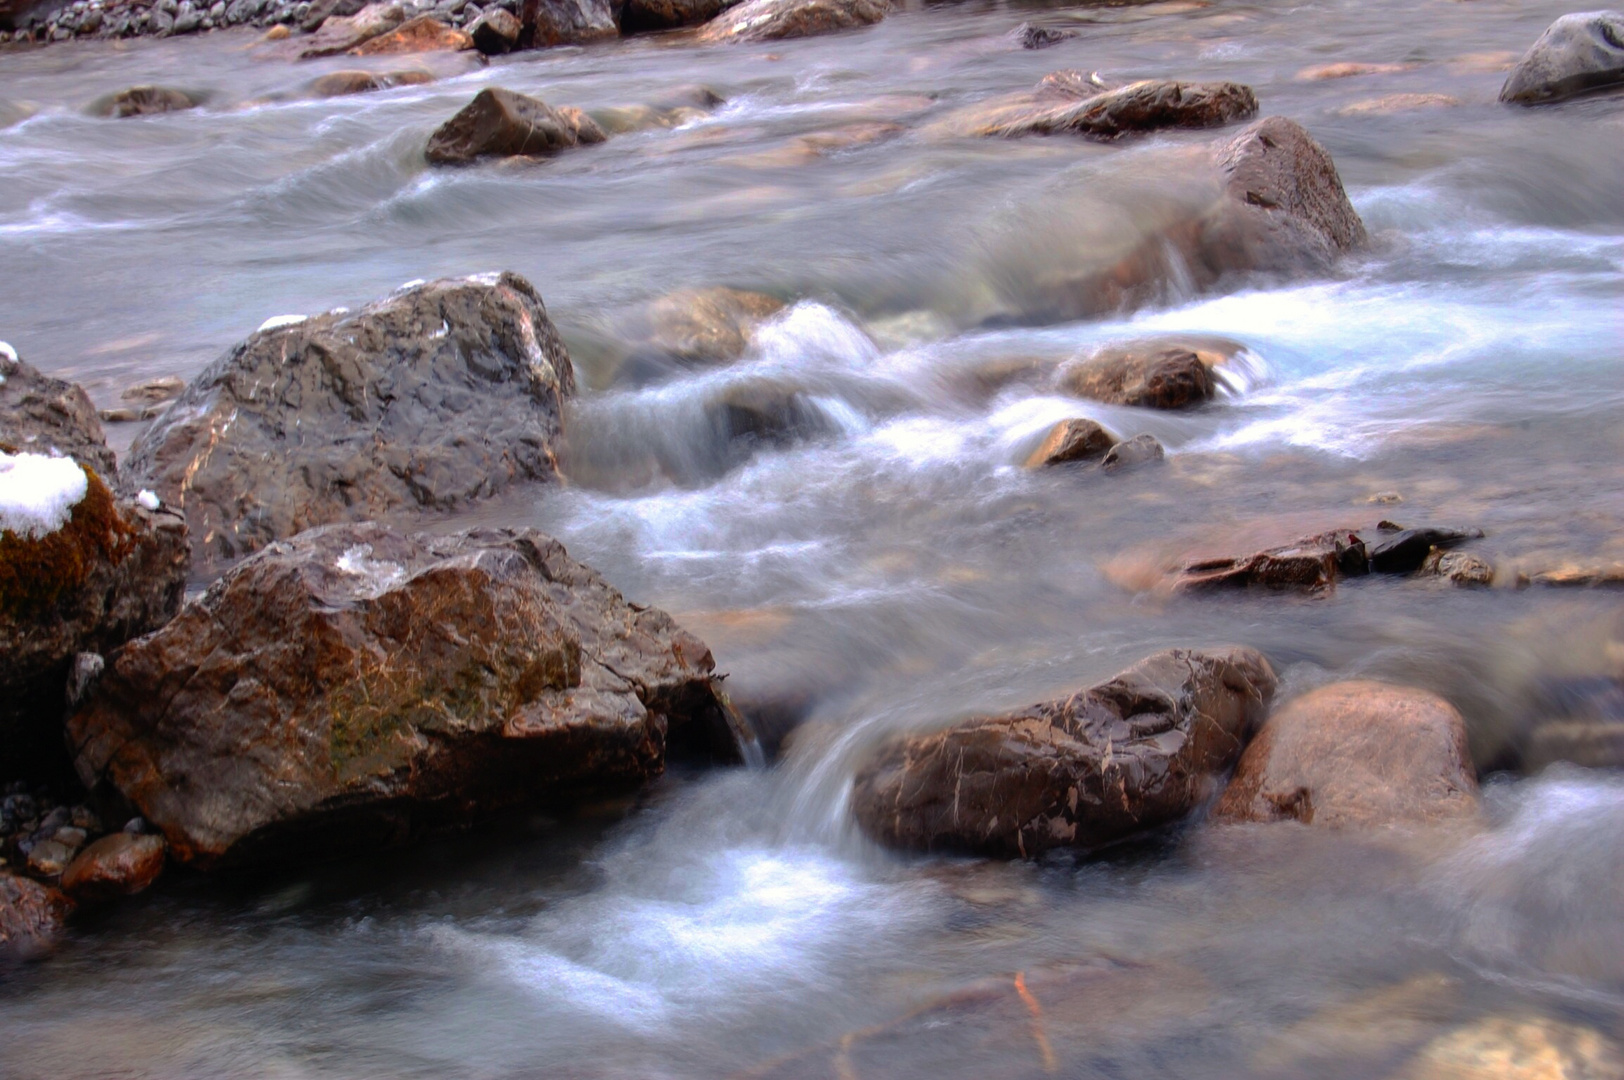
x: 36, y: 574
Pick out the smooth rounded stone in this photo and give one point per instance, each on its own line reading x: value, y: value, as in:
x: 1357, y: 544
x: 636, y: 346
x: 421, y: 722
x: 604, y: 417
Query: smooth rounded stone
x: 1078, y: 439
x: 48, y: 858
x: 1398, y: 103
x: 1133, y: 753
x: 437, y: 396
x: 122, y: 864
x: 340, y: 34
x: 1031, y: 36
x: 774, y: 20
x: 1312, y: 564
x: 495, y: 32
x: 344, y: 83
x: 643, y: 16
x: 1131, y: 453
x: 1407, y: 550
x: 546, y: 23
x: 422, y: 34
x: 1149, y: 105
x: 1578, y: 53
x: 1517, y: 1048
x: 1458, y: 568
x: 1356, y: 754
x: 42, y: 415
x: 31, y: 915
x: 355, y: 686
x: 1156, y: 373
x: 144, y: 101
x: 695, y: 328
x: 501, y: 123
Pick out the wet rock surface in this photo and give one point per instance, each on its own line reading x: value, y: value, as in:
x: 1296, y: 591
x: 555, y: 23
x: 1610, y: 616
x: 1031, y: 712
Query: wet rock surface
x: 122, y: 864
x: 437, y: 396
x: 692, y: 328
x: 1032, y: 36
x: 344, y: 83
x: 144, y: 101
x: 1156, y: 373
x: 1356, y: 754
x: 1070, y: 441
x: 1579, y: 53
x: 501, y: 123
x: 545, y: 23
x: 774, y: 20
x: 1311, y: 564
x: 42, y: 415
x: 1130, y: 453
x: 1149, y: 105
x: 1135, y: 752
x: 422, y: 34
x: 495, y: 32
x: 355, y: 686
x: 31, y: 915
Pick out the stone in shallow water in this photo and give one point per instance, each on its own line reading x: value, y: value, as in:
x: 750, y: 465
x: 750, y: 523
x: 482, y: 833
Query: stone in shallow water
x: 144, y: 101
x: 1135, y: 752
x: 1078, y: 439
x: 355, y: 686
x: 1139, y: 450
x: 1578, y: 53
x: 500, y: 123
x: 1156, y: 373
x: 119, y: 865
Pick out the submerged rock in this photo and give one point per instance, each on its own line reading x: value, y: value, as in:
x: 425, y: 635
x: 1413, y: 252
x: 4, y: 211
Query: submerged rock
x: 1071, y: 440
x: 1157, y: 373
x: 1139, y: 450
x: 546, y: 23
x: 354, y: 686
x: 643, y: 16
x: 1311, y: 564
x: 144, y: 101
x: 1517, y: 1048
x: 31, y: 915
x: 1356, y: 754
x: 501, y: 123
x: 693, y: 328
x: 773, y: 20
x: 1150, y: 105
x: 432, y: 398
x: 1407, y: 550
x: 1130, y: 754
x: 1032, y: 36
x: 344, y: 83
x: 1578, y: 53
x: 422, y: 34
x: 122, y: 864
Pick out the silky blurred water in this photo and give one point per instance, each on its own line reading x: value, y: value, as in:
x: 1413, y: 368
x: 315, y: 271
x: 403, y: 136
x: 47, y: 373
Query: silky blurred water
x: 896, y: 567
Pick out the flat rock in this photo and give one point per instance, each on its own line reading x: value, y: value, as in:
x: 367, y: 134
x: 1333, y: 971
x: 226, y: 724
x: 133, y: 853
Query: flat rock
x: 144, y: 101
x: 1078, y: 439
x: 344, y: 83
x: 354, y: 686
x: 501, y: 123
x: 774, y: 20
x: 1149, y: 105
x: 1312, y: 564
x: 545, y: 23
x: 1356, y: 754
x: 42, y: 415
x: 122, y: 864
x: 643, y: 16
x: 1156, y: 373
x: 422, y: 34
x: 1578, y: 53
x: 31, y: 915
x: 1135, y: 752
x: 340, y: 34
x: 430, y: 399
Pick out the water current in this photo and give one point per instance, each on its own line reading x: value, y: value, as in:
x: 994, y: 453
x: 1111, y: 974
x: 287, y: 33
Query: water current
x: 899, y: 568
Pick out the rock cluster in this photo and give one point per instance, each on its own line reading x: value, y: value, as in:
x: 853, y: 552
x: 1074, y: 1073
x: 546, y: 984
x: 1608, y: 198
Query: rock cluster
x: 166, y: 18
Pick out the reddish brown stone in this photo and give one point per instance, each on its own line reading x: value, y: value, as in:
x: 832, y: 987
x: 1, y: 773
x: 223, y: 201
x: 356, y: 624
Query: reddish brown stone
x: 122, y: 864
x: 31, y: 915
x: 422, y: 34
x: 1071, y: 440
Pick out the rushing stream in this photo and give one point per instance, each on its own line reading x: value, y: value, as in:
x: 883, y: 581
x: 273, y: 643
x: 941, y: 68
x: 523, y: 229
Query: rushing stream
x: 899, y: 568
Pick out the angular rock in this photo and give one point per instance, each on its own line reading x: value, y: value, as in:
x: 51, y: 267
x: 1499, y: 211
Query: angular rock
x: 343, y: 83
x: 1156, y: 373
x: 434, y: 397
x: 422, y: 34
x: 1071, y: 440
x: 31, y: 915
x: 1578, y: 53
x: 1139, y: 450
x: 1031, y: 36
x: 774, y: 20
x: 42, y: 415
x: 1405, y: 551
x: 340, y: 34
x: 354, y: 686
x: 545, y: 23
x: 500, y: 123
x: 644, y: 16
x: 1312, y: 564
x: 122, y: 864
x: 1356, y: 754
x: 143, y: 101
x: 1135, y: 752
x: 495, y: 32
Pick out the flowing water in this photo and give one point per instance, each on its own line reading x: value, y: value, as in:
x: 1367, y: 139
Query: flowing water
x: 897, y: 568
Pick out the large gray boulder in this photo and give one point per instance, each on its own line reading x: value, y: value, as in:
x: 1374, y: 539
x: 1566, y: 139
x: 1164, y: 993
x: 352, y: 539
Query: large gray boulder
x: 355, y: 686
x: 433, y: 398
x: 1135, y: 752
x: 1578, y: 53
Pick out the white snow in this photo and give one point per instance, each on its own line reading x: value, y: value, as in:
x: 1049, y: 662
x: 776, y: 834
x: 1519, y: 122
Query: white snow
x: 276, y: 322
x: 412, y: 284
x: 38, y: 493
x: 147, y: 499
x: 377, y: 576
x: 8, y: 352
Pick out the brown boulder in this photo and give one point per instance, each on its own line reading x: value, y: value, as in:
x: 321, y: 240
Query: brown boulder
x: 422, y: 34
x: 31, y: 915
x: 340, y: 34
x: 500, y: 123
x: 643, y: 16
x: 119, y: 865
x: 545, y: 23
x: 144, y: 101
x: 773, y: 20
x: 438, y: 395
x: 496, y: 31
x: 1157, y: 373
x: 1356, y: 754
x: 344, y: 83
x: 1130, y: 754
x: 1071, y: 440
x: 355, y: 686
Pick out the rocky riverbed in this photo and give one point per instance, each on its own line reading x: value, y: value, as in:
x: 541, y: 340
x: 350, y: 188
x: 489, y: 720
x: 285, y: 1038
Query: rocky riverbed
x: 810, y: 537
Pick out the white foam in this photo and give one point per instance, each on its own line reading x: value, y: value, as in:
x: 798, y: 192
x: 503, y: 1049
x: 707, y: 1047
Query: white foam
x: 811, y: 333
x: 276, y: 322
x: 38, y: 493
x: 148, y: 499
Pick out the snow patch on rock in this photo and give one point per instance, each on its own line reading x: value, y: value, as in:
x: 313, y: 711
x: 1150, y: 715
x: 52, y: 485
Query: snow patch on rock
x: 38, y: 493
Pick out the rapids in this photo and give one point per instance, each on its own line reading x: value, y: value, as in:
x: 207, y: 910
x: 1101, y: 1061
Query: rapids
x: 896, y: 567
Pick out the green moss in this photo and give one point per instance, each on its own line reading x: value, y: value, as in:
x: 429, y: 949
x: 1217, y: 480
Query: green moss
x: 36, y: 575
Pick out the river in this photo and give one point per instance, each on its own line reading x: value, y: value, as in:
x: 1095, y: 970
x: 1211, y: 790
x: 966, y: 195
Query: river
x: 899, y: 567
